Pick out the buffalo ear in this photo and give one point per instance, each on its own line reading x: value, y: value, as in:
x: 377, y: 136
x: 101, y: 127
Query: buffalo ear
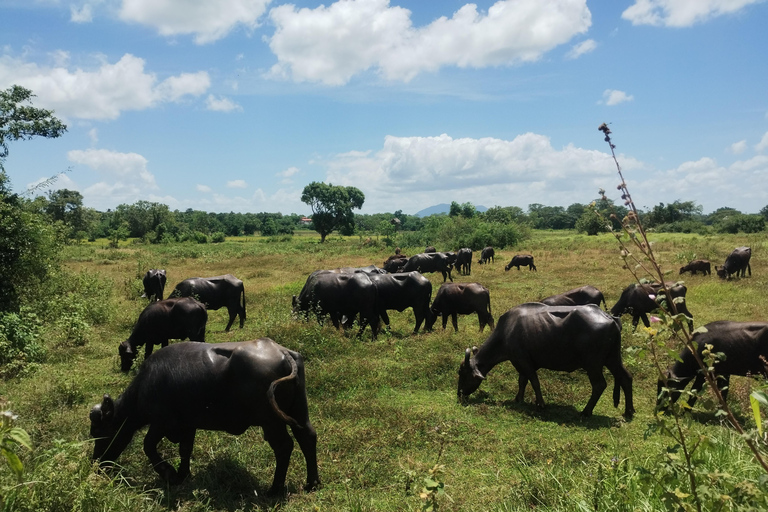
x: 476, y: 373
x: 107, y: 407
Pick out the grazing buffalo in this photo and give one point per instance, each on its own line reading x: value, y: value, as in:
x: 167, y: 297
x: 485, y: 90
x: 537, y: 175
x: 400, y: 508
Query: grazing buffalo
x: 524, y: 260
x: 694, y: 266
x: 154, y: 284
x: 577, y: 297
x: 178, y: 318
x: 395, y: 262
x: 461, y: 298
x: 216, y: 292
x: 463, y: 263
x: 737, y: 261
x: 400, y: 291
x: 562, y: 338
x: 338, y: 295
x: 222, y: 386
x: 429, y: 249
x: 641, y: 299
x: 431, y: 262
x: 487, y: 255
x: 744, y: 344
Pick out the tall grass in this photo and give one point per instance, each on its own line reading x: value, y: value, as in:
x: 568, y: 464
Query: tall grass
x: 385, y: 411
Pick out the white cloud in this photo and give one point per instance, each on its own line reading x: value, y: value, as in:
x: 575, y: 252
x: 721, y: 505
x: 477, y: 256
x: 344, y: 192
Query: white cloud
x: 102, y: 93
x: 93, y: 134
x: 582, y: 48
x: 332, y: 44
x: 681, y: 13
x: 204, y: 188
x: 288, y: 174
x: 81, y: 15
x: 125, y: 176
x: 612, y: 97
x: 208, y: 21
x: 738, y: 147
x: 763, y: 144
x: 237, y: 184
x: 221, y: 104
x: 411, y: 173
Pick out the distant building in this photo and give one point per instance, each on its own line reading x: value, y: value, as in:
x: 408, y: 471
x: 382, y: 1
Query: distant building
x: 305, y: 220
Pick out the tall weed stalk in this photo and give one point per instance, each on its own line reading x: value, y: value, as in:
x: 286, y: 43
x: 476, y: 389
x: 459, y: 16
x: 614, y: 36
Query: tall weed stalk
x: 640, y: 261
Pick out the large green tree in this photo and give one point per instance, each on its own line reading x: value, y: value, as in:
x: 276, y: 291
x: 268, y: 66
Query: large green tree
x: 332, y: 206
x: 19, y: 121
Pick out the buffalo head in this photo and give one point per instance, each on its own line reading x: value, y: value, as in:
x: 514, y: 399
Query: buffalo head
x: 127, y: 355
x: 470, y: 377
x: 102, y: 428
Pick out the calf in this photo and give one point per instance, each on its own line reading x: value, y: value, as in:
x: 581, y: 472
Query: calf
x: 461, y: 298
x: 487, y: 255
x: 154, y: 284
x: 177, y: 318
x: 223, y: 386
x: 463, y: 263
x: 216, y: 292
x: 524, y: 260
x: 737, y: 261
x: 694, y: 266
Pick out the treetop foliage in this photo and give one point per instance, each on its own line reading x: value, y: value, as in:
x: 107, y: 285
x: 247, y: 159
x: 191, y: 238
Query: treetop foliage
x: 332, y: 207
x: 22, y: 122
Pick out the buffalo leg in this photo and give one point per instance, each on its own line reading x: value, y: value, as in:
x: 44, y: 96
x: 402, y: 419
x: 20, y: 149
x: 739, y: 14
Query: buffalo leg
x: 522, y: 383
x: 724, y: 384
x: 165, y: 470
x: 186, y: 442
x: 696, y: 388
x: 384, y: 317
x: 445, y: 320
x: 622, y: 380
x: 534, y: 378
x: 598, y: 386
x: 307, y: 438
x: 242, y: 316
x: 281, y: 443
x: 232, y: 316
x: 455, y: 321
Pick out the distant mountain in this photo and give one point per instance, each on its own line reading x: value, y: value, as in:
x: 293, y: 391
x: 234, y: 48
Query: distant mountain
x: 443, y: 208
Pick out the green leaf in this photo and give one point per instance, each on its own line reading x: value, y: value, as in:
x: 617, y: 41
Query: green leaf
x: 20, y: 436
x: 760, y: 396
x: 756, y: 412
x: 13, y: 462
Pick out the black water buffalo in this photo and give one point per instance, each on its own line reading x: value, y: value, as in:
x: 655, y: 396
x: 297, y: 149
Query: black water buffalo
x: 429, y: 249
x: 338, y: 295
x: 737, y: 261
x: 178, y: 319
x: 577, y: 297
x: 222, y: 386
x: 744, y: 344
x: 487, y: 255
x: 562, y: 338
x: 395, y: 262
x: 694, y: 266
x: 431, y: 262
x: 524, y: 260
x: 216, y: 292
x: 453, y: 299
x: 641, y: 299
x: 154, y: 284
x: 463, y: 263
x: 400, y: 291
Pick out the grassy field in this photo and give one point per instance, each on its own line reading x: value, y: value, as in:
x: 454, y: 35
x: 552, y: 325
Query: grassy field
x: 385, y: 411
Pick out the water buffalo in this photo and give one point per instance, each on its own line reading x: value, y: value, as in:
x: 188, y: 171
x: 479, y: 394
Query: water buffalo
x: 461, y: 298
x: 562, y: 338
x: 154, y: 284
x: 338, y: 295
x: 641, y: 299
x: 694, y: 266
x: 222, y: 386
x: 431, y: 262
x: 577, y: 297
x: 429, y: 249
x: 216, y: 292
x: 177, y: 318
x: 744, y: 344
x: 395, y: 262
x: 463, y: 263
x: 487, y: 255
x: 400, y: 291
x: 525, y: 260
x: 737, y: 261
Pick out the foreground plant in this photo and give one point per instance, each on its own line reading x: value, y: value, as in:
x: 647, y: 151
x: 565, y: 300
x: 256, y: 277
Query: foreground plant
x: 640, y: 261
x: 11, y: 439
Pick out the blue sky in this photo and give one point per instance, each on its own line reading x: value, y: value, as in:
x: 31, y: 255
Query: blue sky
x: 236, y: 105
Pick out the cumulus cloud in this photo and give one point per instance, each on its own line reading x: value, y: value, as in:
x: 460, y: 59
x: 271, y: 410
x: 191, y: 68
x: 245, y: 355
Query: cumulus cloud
x: 738, y: 147
x: 763, y: 144
x: 288, y: 174
x: 102, y: 93
x: 204, y: 188
x: 93, y: 134
x: 332, y: 44
x: 677, y: 13
x: 237, y: 184
x: 81, y: 15
x: 221, y: 104
x: 582, y: 48
x: 125, y: 177
x: 208, y: 21
x: 414, y: 172
x: 612, y: 97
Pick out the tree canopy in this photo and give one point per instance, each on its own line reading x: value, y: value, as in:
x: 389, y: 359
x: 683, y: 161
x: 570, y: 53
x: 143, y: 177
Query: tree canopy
x: 21, y: 122
x: 332, y: 206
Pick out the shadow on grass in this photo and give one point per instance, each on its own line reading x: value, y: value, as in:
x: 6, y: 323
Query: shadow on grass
x: 552, y: 413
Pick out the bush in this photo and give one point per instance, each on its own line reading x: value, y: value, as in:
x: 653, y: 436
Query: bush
x: 20, y: 348
x: 218, y: 237
x: 200, y: 238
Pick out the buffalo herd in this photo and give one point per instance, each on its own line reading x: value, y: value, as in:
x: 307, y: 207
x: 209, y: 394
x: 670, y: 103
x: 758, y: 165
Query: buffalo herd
x: 234, y: 385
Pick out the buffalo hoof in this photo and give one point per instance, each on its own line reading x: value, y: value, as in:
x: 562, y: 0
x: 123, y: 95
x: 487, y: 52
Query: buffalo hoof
x: 312, y: 486
x: 276, y: 491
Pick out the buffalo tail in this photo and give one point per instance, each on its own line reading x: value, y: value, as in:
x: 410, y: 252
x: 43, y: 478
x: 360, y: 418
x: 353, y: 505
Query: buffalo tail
x: 271, y: 391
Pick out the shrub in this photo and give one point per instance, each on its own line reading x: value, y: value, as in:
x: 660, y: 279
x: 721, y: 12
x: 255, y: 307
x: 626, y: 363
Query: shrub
x: 20, y: 348
x: 218, y: 237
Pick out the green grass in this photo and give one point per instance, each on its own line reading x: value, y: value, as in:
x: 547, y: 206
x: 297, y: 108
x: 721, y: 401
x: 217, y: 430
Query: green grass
x: 384, y: 410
